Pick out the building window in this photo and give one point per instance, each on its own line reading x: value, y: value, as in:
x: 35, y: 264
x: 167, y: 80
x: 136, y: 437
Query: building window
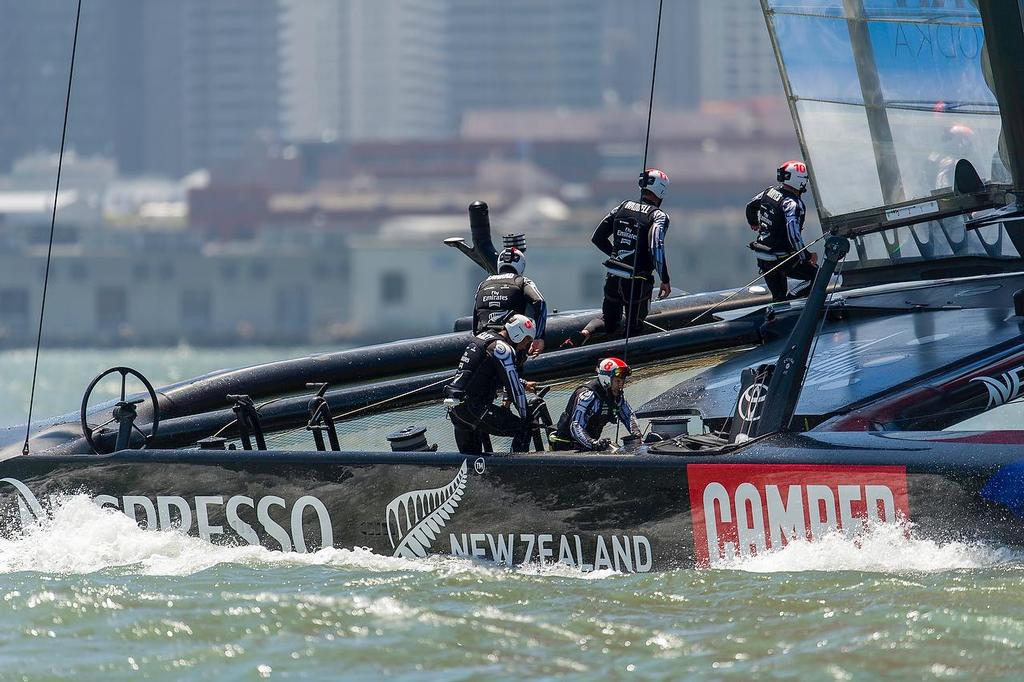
x: 291, y: 305
x: 166, y: 270
x: 78, y: 271
x: 392, y: 287
x: 14, y: 309
x: 111, y: 307
x: 259, y: 270
x: 229, y: 270
x: 140, y: 271
x: 196, y: 309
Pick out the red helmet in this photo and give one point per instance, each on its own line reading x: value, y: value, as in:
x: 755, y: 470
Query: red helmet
x: 611, y: 367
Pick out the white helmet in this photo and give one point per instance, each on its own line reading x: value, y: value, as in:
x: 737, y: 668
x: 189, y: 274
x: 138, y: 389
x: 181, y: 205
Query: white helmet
x: 512, y: 260
x: 655, y: 182
x: 793, y: 174
x: 520, y: 327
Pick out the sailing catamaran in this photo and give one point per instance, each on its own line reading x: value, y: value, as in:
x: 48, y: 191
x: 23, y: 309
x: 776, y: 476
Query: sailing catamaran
x: 890, y: 398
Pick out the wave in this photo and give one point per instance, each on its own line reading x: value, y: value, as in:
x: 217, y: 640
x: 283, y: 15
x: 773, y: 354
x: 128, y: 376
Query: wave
x: 80, y: 537
x: 883, y: 548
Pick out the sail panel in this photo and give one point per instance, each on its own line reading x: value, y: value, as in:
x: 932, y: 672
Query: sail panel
x: 887, y: 96
x: 921, y: 11
x: 838, y: 139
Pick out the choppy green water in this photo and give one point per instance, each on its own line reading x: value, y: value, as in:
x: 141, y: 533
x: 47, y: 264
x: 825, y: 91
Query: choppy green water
x: 88, y: 595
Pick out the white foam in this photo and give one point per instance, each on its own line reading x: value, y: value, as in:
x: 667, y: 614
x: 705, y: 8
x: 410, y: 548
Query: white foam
x: 562, y: 570
x: 886, y: 547
x: 79, y: 536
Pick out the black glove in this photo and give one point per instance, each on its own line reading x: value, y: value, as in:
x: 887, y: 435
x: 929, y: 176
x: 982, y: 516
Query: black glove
x: 603, y: 444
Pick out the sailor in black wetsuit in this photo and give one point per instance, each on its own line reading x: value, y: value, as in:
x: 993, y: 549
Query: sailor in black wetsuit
x: 592, y: 406
x: 488, y: 364
x: 778, y: 214
x: 500, y: 296
x: 633, y: 237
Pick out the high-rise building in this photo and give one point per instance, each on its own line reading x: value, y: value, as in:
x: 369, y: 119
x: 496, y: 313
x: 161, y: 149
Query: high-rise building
x: 365, y: 69
x: 736, y: 58
x: 531, y: 54
x: 229, y: 78
x: 628, y: 39
x: 312, y: 66
x: 35, y: 54
x: 162, y: 87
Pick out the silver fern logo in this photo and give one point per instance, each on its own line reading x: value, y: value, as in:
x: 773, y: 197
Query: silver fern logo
x: 415, y: 518
x: 29, y: 508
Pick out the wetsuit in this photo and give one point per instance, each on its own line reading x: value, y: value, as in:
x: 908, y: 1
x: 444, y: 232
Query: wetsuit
x: 590, y: 408
x: 500, y: 296
x: 488, y: 364
x: 778, y: 214
x: 633, y: 237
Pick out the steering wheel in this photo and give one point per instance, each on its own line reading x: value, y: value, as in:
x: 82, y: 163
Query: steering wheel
x: 89, y: 430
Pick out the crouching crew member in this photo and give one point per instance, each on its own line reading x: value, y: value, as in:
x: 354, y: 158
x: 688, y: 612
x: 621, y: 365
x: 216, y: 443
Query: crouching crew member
x: 507, y: 293
x: 778, y: 214
x: 633, y: 237
x: 488, y: 364
x: 592, y: 406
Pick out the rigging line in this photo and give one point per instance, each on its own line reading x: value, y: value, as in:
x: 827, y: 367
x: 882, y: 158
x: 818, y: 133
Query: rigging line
x: 53, y: 221
x: 647, y: 145
x: 394, y: 397
x: 755, y: 280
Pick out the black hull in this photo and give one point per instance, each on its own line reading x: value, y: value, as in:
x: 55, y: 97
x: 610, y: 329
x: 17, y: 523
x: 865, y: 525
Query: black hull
x: 623, y: 512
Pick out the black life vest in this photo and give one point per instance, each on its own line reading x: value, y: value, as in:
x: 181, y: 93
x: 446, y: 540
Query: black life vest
x: 631, y: 238
x: 478, y: 377
x: 498, y: 297
x: 771, y: 218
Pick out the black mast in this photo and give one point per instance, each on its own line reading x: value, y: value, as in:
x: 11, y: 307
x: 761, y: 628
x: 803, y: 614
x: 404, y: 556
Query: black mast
x: 787, y: 380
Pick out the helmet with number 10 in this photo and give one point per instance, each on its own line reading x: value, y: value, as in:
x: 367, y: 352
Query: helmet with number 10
x: 794, y: 175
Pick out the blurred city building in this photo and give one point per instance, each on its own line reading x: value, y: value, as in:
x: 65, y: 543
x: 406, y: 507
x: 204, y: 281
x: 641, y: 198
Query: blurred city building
x: 283, y: 171
x: 717, y: 157
x: 161, y: 87
x: 306, y: 286
x: 736, y: 58
x: 171, y: 87
x: 365, y: 69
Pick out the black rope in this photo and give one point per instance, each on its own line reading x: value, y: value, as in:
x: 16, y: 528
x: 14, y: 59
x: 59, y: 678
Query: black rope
x: 647, y: 145
x: 53, y: 222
